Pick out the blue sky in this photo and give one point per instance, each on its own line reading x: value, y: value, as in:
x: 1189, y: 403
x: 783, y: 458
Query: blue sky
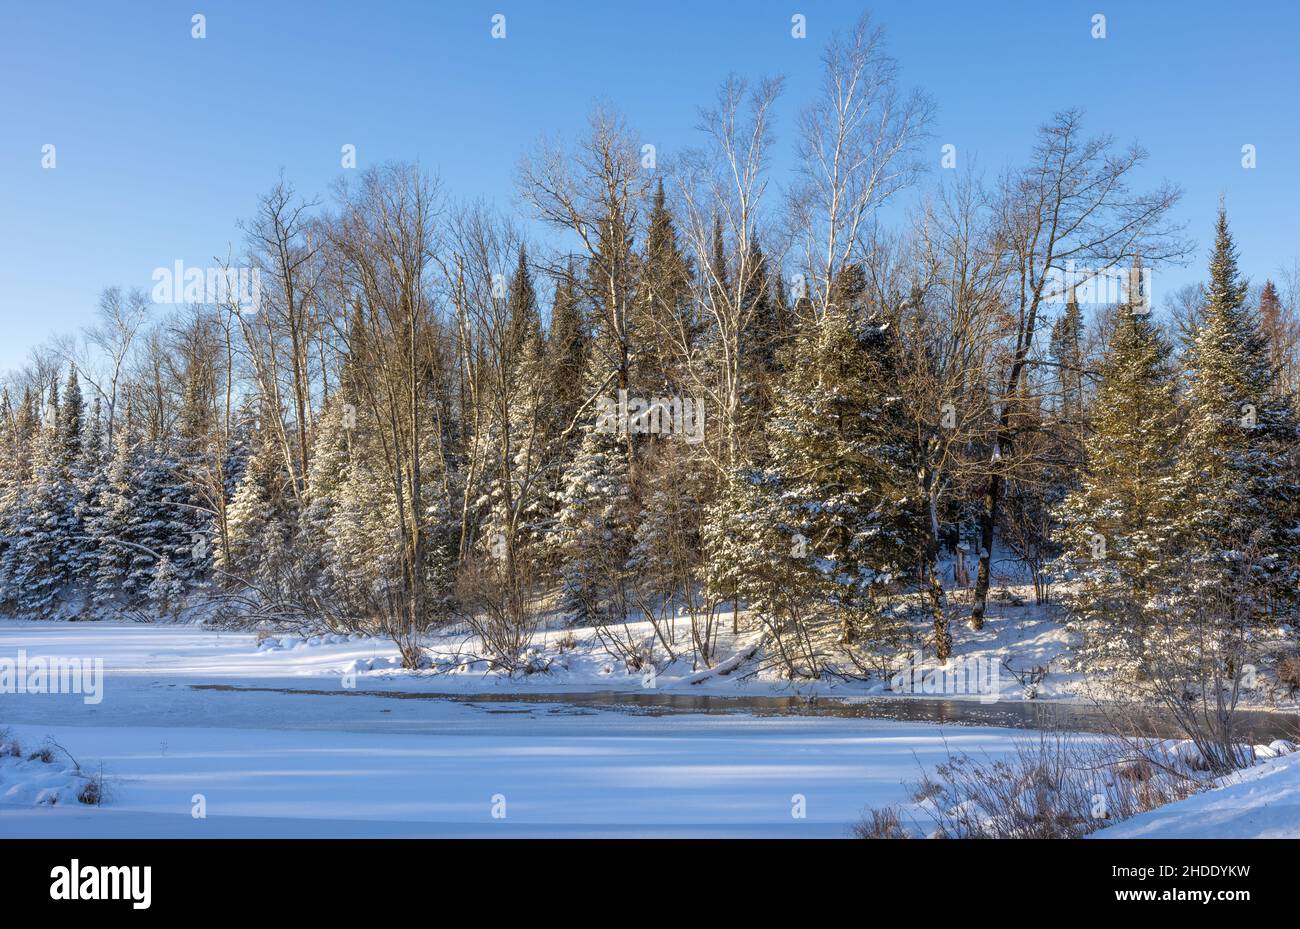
x: 164, y: 141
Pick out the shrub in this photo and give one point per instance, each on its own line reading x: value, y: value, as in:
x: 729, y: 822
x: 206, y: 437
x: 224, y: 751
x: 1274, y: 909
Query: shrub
x: 1057, y: 787
x: 93, y: 791
x: 884, y: 823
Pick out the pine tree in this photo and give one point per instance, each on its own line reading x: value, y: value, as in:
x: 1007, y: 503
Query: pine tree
x: 566, y: 362
x: 1238, y: 476
x: 566, y: 350
x: 90, y: 479
x: 1067, y: 353
x: 1118, y: 528
x: 72, y: 437
x: 596, y: 511
x: 109, y: 526
x: 327, y: 475
x: 533, y: 429
x: 519, y: 425
x: 364, y: 538
x: 352, y: 514
x: 166, y: 590
x: 11, y: 479
x: 22, y: 428
x: 523, y: 320
x: 767, y: 332
x: 1281, y: 326
x: 833, y: 505
x: 162, y: 525
x: 44, y: 567
x: 594, y: 527
x: 260, y: 522
x: 664, y: 309
x: 667, y: 555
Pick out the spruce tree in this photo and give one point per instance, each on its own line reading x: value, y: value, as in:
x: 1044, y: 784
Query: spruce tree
x: 90, y: 481
x: 836, y: 491
x: 164, y: 527
x: 10, y: 492
x: 109, y: 527
x: 327, y: 474
x: 593, y: 535
x: 45, y: 560
x: 1118, y: 528
x: 566, y: 362
x: 1067, y: 353
x: 260, y: 521
x: 523, y: 320
x: 1240, y: 498
x: 665, y: 315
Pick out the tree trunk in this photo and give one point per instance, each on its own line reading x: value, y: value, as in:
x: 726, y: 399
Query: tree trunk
x: 934, y: 582
x: 988, y: 518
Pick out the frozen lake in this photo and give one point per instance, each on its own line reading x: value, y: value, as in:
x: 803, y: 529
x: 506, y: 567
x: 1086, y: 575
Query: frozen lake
x: 269, y: 745
x: 268, y: 762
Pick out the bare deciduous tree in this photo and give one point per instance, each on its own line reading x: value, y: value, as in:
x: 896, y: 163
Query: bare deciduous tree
x: 1070, y: 211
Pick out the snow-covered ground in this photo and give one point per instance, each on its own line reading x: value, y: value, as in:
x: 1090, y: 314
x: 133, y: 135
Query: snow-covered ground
x: 1262, y: 802
x: 327, y: 737
x: 445, y: 769
x: 1015, y: 639
x: 37, y: 775
x: 344, y: 763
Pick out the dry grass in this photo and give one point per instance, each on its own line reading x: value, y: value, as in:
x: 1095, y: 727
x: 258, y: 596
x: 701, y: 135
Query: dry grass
x: 94, y: 791
x: 1288, y: 673
x: 1057, y: 787
x: 884, y: 823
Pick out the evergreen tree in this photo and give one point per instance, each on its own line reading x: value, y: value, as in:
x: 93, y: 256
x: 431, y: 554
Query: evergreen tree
x: 47, y: 537
x: 326, y: 477
x: 566, y: 349
x: 166, y: 590
x: 523, y: 320
x: 594, y: 526
x: 260, y: 521
x: 566, y: 362
x: 1281, y: 326
x: 533, y: 428
x: 164, y: 527
x: 768, y: 330
x: 10, y: 491
x: 19, y: 429
x: 1118, y: 528
x: 1067, y: 353
x: 109, y: 525
x: 667, y: 554
x: 833, y: 505
x: 1238, y: 476
x: 518, y: 424
x: 90, y: 482
x: 41, y: 565
x: 665, y: 311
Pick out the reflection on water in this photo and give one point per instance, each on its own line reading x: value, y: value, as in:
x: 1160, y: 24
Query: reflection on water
x: 1256, y: 726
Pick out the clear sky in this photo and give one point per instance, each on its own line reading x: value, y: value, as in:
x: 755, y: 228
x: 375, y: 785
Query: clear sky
x: 164, y: 141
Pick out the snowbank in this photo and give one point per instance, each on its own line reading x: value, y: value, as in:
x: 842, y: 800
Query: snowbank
x: 38, y: 777
x: 1262, y: 802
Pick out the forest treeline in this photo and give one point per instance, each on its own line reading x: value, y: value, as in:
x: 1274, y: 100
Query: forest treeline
x: 705, y: 388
